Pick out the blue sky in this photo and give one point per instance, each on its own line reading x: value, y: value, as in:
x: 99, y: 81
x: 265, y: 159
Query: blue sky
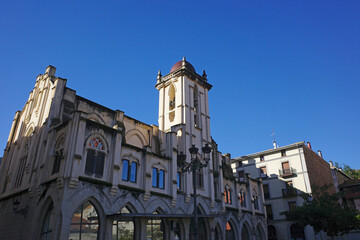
x: 289, y: 65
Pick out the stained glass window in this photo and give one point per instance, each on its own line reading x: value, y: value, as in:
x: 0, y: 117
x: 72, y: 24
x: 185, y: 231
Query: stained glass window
x: 96, y: 143
x: 95, y: 158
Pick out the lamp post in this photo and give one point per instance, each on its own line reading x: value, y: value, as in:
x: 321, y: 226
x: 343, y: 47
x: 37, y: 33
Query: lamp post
x: 195, y: 165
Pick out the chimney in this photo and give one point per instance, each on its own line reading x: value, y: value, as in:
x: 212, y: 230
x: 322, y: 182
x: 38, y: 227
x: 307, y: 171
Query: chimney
x: 309, y: 145
x: 274, y: 144
x: 319, y: 153
x: 331, y: 163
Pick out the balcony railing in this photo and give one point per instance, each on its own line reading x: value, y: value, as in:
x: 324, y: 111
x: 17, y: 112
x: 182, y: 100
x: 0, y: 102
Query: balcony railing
x: 287, y: 172
x: 289, y: 192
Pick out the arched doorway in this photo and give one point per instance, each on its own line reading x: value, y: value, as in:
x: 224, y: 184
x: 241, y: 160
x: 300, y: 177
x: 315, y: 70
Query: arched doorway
x: 202, y: 233
x: 245, y: 234
x: 259, y: 233
x: 155, y: 228
x: 85, y: 222
x: 218, y: 232
x: 271, y: 232
x: 229, y: 231
x: 123, y: 229
x: 297, y: 232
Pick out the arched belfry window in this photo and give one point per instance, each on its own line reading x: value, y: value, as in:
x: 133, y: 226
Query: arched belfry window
x: 84, y: 223
x: 95, y: 157
x: 171, y: 102
x: 171, y: 97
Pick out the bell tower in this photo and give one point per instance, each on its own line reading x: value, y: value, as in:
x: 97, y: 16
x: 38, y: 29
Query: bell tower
x: 184, y: 105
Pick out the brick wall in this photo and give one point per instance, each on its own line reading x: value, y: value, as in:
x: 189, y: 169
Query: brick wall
x: 318, y: 170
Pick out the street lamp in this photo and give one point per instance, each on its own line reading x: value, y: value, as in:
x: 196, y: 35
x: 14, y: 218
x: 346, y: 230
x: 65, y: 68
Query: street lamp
x: 197, y: 163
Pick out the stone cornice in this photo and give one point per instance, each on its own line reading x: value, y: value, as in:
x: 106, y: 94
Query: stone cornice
x: 183, y: 71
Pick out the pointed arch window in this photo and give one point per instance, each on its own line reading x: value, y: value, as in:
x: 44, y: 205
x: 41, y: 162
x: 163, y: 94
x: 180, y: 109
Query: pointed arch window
x: 123, y: 229
x: 48, y: 221
x: 242, y: 197
x: 227, y: 193
x: 95, y: 157
x: 84, y: 223
x: 229, y: 232
x: 155, y: 228
x: 59, y: 151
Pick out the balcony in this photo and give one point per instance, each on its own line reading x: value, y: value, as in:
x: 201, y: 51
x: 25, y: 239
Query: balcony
x: 285, y: 173
x: 289, y: 192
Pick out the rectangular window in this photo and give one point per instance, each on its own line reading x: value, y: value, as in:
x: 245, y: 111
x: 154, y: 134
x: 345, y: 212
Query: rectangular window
x: 90, y: 161
x: 242, y: 199
x: 57, y: 160
x: 99, y: 165
x: 200, y: 179
x: 155, y: 178
x: 261, y: 158
x: 266, y: 191
x: 125, y: 170
x: 269, y: 212
x: 178, y: 180
x: 256, y: 202
x: 162, y: 179
x: 158, y: 179
x: 283, y: 153
x: 133, y: 172
x: 286, y: 168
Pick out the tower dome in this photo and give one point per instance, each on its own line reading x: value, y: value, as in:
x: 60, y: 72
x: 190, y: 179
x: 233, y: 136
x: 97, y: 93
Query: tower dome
x: 179, y: 64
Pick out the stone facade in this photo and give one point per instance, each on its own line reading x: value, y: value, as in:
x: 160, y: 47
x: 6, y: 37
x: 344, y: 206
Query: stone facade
x: 75, y: 169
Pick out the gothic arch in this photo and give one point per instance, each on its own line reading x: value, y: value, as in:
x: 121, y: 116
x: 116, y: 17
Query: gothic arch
x: 101, y: 215
x: 130, y: 200
x: 43, y: 210
x: 96, y: 118
x: 158, y: 203
x: 136, y: 138
x: 93, y: 193
x: 101, y: 137
x: 260, y: 233
x: 246, y: 231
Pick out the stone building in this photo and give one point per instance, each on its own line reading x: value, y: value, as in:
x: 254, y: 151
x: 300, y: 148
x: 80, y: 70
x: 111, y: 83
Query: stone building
x: 286, y: 172
x: 74, y: 169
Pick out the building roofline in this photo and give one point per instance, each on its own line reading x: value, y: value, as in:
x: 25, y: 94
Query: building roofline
x: 245, y: 157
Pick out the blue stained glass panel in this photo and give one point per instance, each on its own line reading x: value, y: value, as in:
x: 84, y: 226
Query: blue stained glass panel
x: 161, y: 178
x: 133, y: 172
x: 125, y: 170
x: 154, y: 178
